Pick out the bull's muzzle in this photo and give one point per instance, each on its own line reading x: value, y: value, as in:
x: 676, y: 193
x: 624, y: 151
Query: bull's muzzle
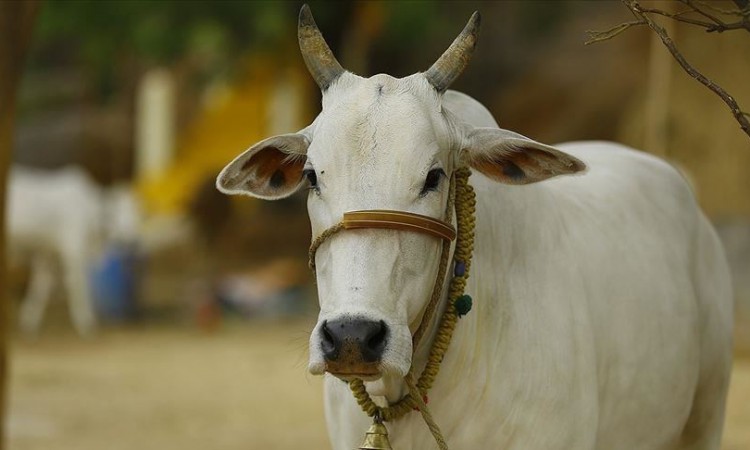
x: 353, y: 347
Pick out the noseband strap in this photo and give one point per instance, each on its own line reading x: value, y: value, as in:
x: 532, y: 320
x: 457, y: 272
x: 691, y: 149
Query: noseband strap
x: 398, y: 220
x: 385, y: 219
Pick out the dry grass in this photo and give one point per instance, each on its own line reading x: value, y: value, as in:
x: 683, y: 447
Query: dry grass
x: 242, y: 388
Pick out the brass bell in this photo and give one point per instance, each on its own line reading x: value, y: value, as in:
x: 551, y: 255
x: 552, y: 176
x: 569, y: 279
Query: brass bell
x: 376, y: 437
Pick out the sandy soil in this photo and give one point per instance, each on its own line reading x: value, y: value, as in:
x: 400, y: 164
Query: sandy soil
x: 244, y: 387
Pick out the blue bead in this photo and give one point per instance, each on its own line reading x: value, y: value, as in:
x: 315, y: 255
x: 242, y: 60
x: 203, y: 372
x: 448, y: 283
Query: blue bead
x: 460, y: 269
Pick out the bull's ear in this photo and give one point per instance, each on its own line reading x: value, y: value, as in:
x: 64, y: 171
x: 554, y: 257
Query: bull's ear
x: 270, y: 169
x: 511, y: 158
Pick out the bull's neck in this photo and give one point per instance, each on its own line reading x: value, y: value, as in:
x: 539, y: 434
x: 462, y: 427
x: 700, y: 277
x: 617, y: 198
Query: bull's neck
x: 503, y: 214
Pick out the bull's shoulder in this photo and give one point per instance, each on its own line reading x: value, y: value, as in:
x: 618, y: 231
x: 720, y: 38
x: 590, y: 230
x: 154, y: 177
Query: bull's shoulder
x: 606, y: 154
x: 620, y: 167
x: 624, y: 182
x: 623, y: 193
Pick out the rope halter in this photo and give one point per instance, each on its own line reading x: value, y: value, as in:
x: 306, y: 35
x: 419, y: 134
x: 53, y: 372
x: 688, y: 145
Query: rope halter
x: 461, y: 195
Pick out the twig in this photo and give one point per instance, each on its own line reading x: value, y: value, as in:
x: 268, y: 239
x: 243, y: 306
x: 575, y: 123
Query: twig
x: 705, y: 14
x: 718, y: 24
x: 599, y: 36
x: 679, y: 17
x: 640, y: 14
x: 726, y: 12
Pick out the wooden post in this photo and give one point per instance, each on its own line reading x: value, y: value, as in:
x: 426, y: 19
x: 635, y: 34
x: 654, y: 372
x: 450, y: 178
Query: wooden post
x: 154, y: 124
x: 16, y: 25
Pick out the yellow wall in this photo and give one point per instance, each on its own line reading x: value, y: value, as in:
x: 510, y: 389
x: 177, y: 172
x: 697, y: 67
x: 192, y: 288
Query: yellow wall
x: 234, y: 118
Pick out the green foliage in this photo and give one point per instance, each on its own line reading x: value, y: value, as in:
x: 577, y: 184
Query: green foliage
x: 111, y: 39
x: 157, y: 30
x: 410, y: 22
x: 101, y: 35
x: 541, y: 19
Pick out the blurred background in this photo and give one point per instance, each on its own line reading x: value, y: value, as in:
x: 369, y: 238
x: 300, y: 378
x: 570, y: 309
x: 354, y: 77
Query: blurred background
x: 152, y: 312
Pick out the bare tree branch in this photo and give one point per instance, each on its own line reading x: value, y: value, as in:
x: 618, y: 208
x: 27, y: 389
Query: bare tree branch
x: 642, y: 16
x: 639, y: 12
x: 679, y: 17
x: 693, y: 4
x: 695, y: 7
x: 726, y: 12
x: 718, y: 24
x: 599, y: 36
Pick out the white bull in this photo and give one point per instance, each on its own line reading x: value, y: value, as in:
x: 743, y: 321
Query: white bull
x: 603, y: 307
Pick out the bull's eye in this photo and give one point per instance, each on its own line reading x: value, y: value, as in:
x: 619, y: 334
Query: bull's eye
x: 312, y: 178
x: 432, y: 182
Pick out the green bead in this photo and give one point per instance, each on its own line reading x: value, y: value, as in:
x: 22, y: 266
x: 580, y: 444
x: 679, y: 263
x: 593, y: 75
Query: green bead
x: 462, y: 305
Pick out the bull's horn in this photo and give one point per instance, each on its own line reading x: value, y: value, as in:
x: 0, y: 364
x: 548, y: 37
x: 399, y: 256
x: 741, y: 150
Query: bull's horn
x: 317, y: 55
x: 450, y: 65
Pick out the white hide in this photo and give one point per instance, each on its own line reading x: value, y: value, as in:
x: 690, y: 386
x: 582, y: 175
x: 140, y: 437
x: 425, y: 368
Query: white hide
x: 602, y: 303
x: 59, y: 221
x: 602, y: 317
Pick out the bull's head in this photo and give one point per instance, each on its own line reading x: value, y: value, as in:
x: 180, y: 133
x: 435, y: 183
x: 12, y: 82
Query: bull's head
x: 380, y: 143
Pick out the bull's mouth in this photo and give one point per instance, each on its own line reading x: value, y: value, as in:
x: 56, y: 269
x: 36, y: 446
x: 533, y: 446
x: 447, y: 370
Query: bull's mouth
x: 347, y: 371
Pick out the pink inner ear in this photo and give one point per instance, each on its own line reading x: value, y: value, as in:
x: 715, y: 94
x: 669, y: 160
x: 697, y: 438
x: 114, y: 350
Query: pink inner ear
x: 270, y: 170
x: 505, y: 171
x: 510, y: 168
x: 526, y: 165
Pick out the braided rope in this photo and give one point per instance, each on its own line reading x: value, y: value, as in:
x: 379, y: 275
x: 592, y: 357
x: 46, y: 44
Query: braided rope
x: 465, y: 210
x: 437, y: 288
x: 319, y: 240
x: 422, y: 407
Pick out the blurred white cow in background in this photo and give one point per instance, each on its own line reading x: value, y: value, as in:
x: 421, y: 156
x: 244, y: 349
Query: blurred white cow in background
x: 60, y: 221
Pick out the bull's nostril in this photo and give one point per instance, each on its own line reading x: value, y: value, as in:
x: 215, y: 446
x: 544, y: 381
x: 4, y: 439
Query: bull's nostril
x: 377, y: 340
x: 328, y: 343
x: 374, y: 344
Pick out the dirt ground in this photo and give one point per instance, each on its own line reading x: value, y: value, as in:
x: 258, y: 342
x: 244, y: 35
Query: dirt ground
x: 244, y: 387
